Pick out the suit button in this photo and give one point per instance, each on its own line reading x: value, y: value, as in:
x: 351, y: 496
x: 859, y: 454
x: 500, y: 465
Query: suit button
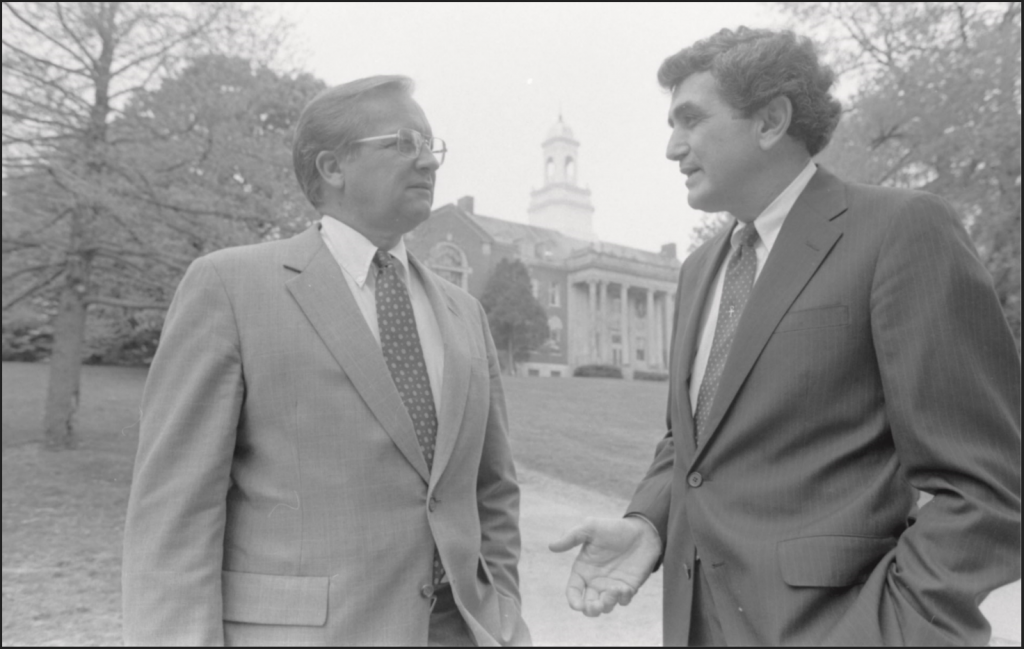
x: 427, y: 591
x: 695, y: 480
x: 432, y: 505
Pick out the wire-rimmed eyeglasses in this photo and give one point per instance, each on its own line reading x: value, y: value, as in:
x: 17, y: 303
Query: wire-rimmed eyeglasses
x: 410, y: 143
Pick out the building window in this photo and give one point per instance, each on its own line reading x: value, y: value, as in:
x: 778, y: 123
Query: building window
x: 640, y: 351
x: 532, y: 372
x: 549, y: 169
x: 555, y: 335
x: 448, y: 261
x: 555, y: 294
x: 555, y: 374
x: 570, y: 169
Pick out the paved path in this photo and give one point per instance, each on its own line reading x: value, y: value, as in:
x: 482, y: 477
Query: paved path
x: 550, y: 507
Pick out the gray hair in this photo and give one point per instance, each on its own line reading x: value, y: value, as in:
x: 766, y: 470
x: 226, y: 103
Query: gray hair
x: 332, y: 119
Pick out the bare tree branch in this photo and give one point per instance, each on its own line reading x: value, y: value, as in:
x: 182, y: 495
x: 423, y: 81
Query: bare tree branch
x: 28, y: 270
x: 138, y: 277
x: 45, y: 62
x: 32, y: 289
x: 52, y: 84
x: 127, y: 304
x: 163, y: 50
x: 70, y: 32
x: 170, y: 261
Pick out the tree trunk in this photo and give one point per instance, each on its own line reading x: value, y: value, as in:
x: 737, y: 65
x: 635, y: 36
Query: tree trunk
x: 66, y: 359
x: 511, y: 359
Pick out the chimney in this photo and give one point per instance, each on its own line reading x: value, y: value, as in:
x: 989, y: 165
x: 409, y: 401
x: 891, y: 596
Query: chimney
x: 669, y: 250
x: 465, y: 204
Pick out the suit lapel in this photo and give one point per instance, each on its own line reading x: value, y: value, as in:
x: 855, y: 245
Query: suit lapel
x: 323, y: 295
x: 693, y: 294
x: 806, y: 238
x: 455, y: 381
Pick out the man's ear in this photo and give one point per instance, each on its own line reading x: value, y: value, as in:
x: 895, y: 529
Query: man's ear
x: 774, y: 120
x: 328, y: 164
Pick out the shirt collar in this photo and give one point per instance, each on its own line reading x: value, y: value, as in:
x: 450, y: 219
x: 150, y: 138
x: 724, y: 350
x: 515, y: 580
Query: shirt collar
x: 769, y: 222
x: 355, y: 252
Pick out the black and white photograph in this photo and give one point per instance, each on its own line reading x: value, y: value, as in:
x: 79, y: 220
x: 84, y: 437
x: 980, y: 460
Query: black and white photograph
x: 511, y: 324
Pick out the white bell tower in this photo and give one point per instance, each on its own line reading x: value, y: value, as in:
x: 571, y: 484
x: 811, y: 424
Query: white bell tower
x: 561, y: 204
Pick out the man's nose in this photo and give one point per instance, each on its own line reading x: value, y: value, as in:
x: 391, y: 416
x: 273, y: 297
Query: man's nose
x: 677, y: 147
x: 426, y: 160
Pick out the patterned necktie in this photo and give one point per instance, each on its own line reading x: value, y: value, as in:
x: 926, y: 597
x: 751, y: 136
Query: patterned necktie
x: 400, y: 342
x: 739, y: 279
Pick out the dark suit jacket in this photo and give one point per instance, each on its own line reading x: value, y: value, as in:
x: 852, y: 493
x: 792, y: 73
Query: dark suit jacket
x: 872, y: 359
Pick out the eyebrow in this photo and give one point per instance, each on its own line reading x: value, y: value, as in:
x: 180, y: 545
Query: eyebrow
x: 685, y: 107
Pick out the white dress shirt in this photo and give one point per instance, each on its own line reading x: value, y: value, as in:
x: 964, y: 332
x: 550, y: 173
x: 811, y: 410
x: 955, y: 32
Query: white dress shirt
x: 768, y: 223
x: 354, y: 253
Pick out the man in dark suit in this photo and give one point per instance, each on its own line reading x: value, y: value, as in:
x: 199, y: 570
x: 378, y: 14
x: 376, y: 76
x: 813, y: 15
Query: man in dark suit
x: 837, y: 349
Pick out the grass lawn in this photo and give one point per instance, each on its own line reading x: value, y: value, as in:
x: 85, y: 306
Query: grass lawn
x: 63, y: 513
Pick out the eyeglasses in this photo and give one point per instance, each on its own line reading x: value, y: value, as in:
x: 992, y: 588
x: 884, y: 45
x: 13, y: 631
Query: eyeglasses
x: 410, y: 143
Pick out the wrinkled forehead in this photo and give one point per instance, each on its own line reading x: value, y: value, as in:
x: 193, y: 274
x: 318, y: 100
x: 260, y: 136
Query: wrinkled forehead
x: 386, y: 112
x: 699, y: 93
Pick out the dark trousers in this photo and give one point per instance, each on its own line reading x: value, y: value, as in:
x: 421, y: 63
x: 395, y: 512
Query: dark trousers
x: 705, y: 629
x: 447, y: 628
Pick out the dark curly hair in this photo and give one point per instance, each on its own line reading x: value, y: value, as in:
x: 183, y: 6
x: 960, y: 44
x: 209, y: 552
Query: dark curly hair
x: 754, y: 66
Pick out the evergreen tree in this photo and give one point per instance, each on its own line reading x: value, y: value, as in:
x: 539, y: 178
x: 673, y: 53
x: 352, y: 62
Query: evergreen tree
x: 518, y: 322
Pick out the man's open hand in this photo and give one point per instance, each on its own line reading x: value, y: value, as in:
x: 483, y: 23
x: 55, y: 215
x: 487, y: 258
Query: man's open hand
x: 617, y: 556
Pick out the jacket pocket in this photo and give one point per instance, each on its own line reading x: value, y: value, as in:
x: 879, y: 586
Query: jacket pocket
x: 274, y: 599
x: 829, y: 316
x: 831, y: 561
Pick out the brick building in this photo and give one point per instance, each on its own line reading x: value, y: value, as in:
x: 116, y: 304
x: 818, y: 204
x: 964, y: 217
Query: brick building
x: 606, y: 303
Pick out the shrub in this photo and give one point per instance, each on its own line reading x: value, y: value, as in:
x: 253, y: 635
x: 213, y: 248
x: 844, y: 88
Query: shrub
x: 27, y: 341
x: 117, y: 340
x: 641, y: 375
x: 598, y: 371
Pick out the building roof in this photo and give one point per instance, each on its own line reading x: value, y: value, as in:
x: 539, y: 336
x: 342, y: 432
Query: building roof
x: 560, y: 129
x: 544, y: 243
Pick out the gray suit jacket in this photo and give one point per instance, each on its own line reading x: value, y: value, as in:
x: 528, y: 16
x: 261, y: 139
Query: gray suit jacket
x: 872, y: 358
x: 280, y: 495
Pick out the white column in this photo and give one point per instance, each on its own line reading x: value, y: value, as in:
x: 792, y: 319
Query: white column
x: 649, y: 356
x: 624, y: 328
x: 668, y: 329
x: 591, y: 318
x: 605, y: 347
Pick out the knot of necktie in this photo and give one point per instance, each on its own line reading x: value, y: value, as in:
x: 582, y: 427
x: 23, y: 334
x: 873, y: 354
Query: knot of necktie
x: 748, y: 236
x: 382, y: 259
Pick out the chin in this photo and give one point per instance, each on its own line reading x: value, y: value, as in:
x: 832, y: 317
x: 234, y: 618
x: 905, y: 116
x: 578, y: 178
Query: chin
x: 417, y: 216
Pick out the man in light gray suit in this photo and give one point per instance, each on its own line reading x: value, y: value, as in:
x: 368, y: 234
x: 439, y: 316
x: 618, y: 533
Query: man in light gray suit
x: 324, y: 455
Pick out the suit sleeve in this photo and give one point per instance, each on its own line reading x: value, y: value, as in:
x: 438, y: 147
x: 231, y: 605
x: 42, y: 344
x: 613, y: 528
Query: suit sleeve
x: 653, y: 497
x: 174, y: 532
x: 497, y: 486
x: 951, y: 378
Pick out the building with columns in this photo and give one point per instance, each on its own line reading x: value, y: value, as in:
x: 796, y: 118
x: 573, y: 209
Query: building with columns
x: 606, y: 303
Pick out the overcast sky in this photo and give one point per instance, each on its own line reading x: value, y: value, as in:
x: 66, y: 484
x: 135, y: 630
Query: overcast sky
x: 493, y: 78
